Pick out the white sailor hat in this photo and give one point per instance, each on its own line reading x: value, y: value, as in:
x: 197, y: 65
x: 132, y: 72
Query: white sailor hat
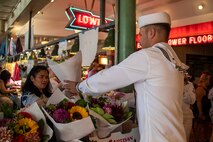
x: 161, y: 17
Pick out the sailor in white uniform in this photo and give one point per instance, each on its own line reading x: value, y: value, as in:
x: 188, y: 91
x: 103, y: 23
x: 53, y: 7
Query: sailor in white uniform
x: 157, y: 75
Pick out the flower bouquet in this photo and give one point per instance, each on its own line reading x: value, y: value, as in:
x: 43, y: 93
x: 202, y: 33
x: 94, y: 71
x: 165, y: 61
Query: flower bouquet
x: 71, y: 121
x: 26, y: 126
x: 111, y: 111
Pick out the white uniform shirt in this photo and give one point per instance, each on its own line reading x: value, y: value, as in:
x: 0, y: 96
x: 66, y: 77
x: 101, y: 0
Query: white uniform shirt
x: 188, y: 99
x: 159, y: 88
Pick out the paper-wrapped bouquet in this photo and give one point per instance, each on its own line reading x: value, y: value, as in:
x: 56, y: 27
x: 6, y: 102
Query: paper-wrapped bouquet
x: 29, y: 124
x: 111, y: 111
x: 71, y: 121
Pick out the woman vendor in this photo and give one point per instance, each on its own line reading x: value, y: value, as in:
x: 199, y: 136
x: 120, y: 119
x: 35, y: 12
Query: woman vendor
x: 36, y: 87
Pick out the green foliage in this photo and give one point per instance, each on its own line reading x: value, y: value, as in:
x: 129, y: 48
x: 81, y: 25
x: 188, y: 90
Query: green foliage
x: 41, y: 124
x: 44, y: 138
x: 112, y: 121
x: 108, y: 116
x: 51, y: 107
x: 81, y: 102
x: 7, y: 110
x: 63, y: 101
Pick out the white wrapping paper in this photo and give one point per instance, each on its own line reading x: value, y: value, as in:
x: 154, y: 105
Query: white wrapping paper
x: 69, y: 131
x: 62, y: 46
x: 30, y: 65
x: 88, y: 46
x: 37, y: 114
x: 69, y: 69
x: 56, y: 97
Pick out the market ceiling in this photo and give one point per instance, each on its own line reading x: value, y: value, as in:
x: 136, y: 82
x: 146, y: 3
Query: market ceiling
x: 52, y: 19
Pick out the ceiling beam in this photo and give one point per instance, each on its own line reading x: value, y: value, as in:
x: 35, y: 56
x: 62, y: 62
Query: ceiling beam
x: 21, y: 13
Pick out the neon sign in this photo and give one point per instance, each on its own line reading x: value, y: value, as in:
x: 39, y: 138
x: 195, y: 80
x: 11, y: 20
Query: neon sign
x: 201, y: 39
x: 82, y: 19
x: 191, y: 40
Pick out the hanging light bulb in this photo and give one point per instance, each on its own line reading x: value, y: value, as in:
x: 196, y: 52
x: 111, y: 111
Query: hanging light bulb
x: 200, y: 7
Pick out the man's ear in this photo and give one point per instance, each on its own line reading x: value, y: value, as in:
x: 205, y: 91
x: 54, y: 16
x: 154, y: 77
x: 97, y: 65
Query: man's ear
x: 152, y: 33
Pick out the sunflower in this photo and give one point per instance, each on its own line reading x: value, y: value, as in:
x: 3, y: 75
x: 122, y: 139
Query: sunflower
x: 26, y: 126
x: 78, y: 112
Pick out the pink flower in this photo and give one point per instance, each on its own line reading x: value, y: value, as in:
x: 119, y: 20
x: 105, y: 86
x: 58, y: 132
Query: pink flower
x: 107, y: 109
x: 5, y: 134
x: 61, y: 116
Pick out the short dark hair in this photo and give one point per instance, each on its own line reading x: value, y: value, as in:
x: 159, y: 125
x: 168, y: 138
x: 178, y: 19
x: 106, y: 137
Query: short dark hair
x: 29, y: 86
x: 5, y: 75
x: 164, y: 26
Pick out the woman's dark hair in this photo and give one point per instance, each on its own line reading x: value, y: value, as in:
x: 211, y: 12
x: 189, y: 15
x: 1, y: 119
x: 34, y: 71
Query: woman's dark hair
x: 29, y: 86
x: 5, y: 76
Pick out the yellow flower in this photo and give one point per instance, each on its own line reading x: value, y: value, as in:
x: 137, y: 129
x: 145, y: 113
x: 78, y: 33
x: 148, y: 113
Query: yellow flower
x: 78, y: 112
x: 26, y: 126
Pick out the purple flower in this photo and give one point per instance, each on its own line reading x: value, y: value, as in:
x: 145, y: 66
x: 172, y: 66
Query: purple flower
x: 61, y: 116
x: 117, y: 112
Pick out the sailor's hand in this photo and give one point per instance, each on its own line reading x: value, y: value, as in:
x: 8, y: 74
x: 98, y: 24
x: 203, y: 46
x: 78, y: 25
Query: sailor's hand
x: 70, y: 86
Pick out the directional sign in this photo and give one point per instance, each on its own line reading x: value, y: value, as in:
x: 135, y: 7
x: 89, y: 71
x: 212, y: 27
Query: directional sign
x: 82, y: 19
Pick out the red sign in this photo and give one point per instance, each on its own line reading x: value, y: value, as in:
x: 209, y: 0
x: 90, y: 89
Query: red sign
x: 81, y: 19
x: 201, y: 39
x: 126, y: 139
x: 192, y: 40
x: 138, y: 45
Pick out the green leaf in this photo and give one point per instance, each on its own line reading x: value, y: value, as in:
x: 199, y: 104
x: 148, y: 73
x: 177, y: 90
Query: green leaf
x: 129, y: 114
x: 93, y: 109
x: 51, y: 107
x: 41, y: 123
x: 44, y: 138
x: 100, y: 111
x: 81, y: 102
x: 108, y: 116
x: 111, y: 121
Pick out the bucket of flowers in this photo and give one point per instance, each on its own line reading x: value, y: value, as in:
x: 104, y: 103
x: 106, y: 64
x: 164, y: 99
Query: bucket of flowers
x: 70, y: 119
x: 110, y: 110
x: 28, y: 125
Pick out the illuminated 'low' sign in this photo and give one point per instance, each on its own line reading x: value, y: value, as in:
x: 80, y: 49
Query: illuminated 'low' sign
x: 81, y: 19
x: 202, y: 39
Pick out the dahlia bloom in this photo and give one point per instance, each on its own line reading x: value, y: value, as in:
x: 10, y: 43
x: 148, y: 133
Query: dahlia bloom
x: 61, y: 116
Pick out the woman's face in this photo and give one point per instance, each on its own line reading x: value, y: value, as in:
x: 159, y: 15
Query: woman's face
x: 41, y: 79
